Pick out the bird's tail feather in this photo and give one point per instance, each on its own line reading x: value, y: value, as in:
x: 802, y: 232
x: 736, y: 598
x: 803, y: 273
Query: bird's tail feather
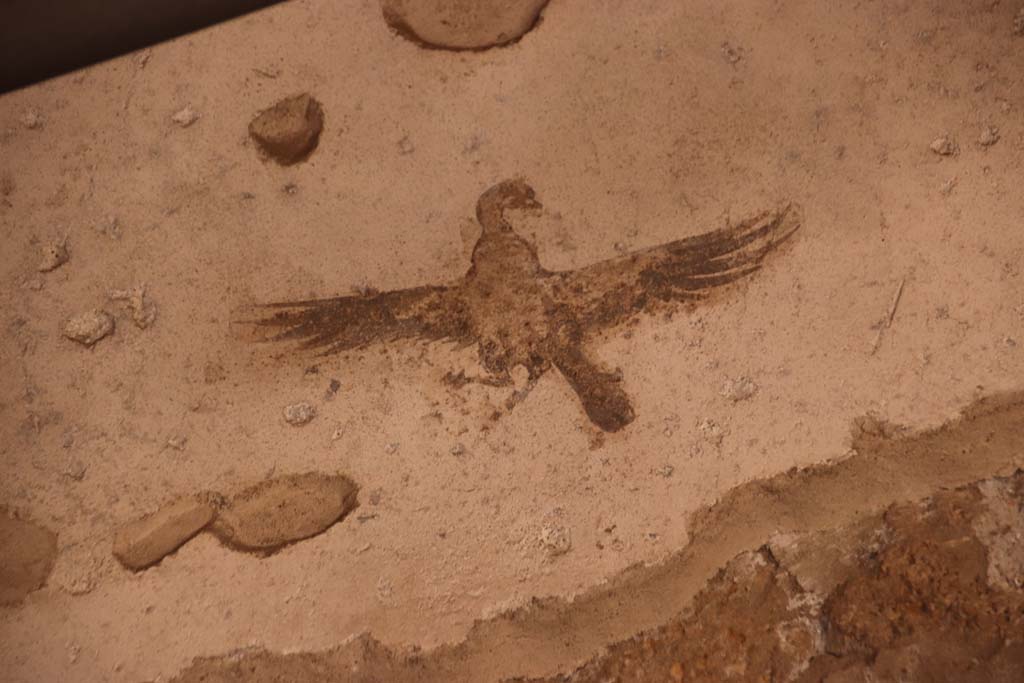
x: 600, y: 392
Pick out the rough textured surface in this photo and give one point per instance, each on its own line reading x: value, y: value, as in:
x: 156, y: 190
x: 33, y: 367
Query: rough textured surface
x: 27, y: 554
x: 54, y: 255
x: 922, y: 606
x: 911, y: 602
x: 752, y: 623
x: 283, y: 510
x: 298, y: 414
x: 141, y: 309
x: 289, y: 131
x: 462, y: 24
x: 185, y: 117
x: 146, y: 541
x: 89, y: 327
x: 909, y: 598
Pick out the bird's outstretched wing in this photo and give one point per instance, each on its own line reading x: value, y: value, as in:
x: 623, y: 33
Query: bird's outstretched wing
x: 610, y: 292
x: 350, y: 322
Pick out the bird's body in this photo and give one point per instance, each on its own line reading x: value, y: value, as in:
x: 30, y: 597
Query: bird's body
x: 509, y: 322
x: 520, y: 314
x: 507, y: 299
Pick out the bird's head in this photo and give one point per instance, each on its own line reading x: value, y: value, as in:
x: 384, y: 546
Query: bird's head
x: 508, y: 194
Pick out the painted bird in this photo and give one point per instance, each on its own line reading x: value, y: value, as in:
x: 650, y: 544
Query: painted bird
x: 519, y: 313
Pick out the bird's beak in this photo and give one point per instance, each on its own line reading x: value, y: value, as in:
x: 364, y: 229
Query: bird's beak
x: 527, y: 202
x: 533, y: 206
x: 511, y: 194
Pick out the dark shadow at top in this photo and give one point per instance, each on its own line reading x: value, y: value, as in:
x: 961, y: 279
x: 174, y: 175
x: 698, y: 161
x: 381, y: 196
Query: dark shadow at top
x: 41, y: 40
